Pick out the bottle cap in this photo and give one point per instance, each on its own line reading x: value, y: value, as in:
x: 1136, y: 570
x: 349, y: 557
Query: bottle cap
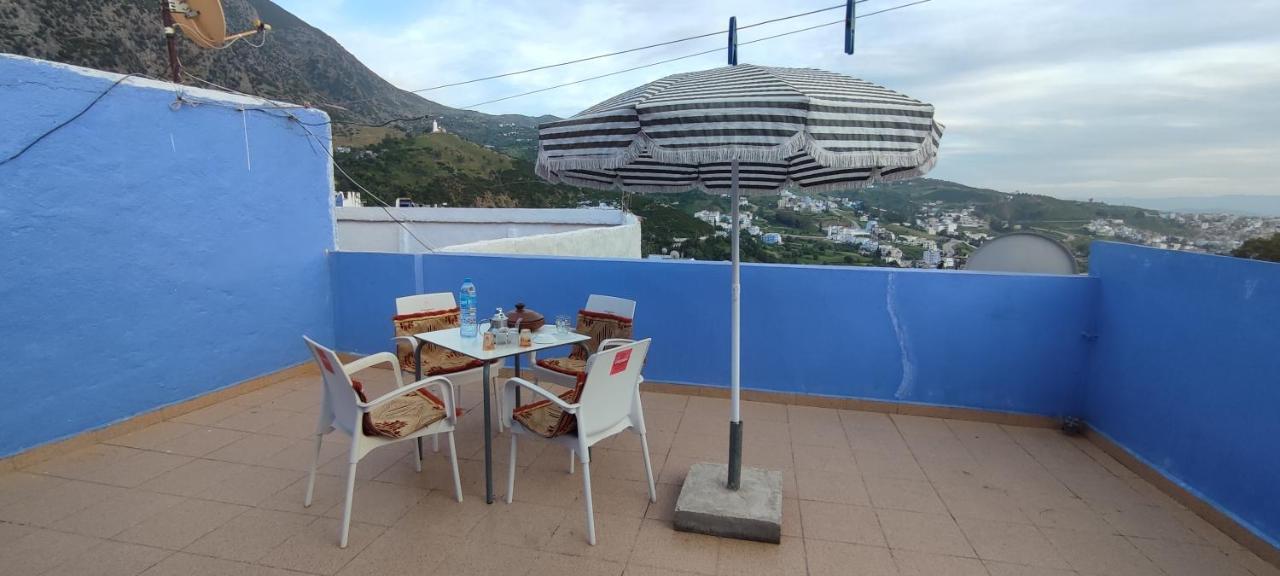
x: 467, y: 279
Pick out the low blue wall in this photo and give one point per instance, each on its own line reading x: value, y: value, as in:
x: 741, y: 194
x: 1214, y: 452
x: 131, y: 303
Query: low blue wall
x: 990, y: 341
x: 148, y: 256
x: 1186, y: 374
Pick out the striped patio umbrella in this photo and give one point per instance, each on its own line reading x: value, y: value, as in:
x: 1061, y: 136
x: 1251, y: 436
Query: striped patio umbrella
x: 742, y: 129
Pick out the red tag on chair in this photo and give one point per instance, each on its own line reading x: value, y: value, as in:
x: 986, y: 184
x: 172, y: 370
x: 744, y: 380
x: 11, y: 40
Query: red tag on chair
x: 325, y: 361
x: 620, y: 362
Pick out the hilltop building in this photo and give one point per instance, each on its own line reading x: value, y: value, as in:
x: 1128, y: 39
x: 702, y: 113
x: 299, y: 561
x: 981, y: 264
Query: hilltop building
x: 789, y: 201
x: 846, y: 234
x: 932, y: 257
x: 347, y: 199
x: 711, y: 217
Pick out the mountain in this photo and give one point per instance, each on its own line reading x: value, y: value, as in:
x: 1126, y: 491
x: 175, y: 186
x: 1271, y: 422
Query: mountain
x: 1232, y: 204
x: 934, y: 190
x: 297, y: 63
x: 1003, y: 207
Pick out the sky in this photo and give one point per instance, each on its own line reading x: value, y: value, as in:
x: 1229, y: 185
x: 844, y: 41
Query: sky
x: 1070, y: 98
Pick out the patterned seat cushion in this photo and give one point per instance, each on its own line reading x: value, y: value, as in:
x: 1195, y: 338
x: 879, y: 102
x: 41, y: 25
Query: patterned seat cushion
x: 600, y: 326
x: 569, y: 366
x: 546, y: 419
x: 436, y: 360
x: 401, y: 416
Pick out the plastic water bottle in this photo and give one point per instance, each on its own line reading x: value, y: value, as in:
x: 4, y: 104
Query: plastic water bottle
x: 467, y: 308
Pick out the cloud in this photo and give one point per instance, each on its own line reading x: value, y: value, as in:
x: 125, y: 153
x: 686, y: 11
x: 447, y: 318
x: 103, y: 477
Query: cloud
x: 1072, y: 98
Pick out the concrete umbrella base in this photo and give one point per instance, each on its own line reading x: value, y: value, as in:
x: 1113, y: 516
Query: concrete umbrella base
x: 752, y: 512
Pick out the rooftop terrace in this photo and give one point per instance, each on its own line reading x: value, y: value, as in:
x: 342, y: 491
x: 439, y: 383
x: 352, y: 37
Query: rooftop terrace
x: 159, y: 396
x: 218, y: 490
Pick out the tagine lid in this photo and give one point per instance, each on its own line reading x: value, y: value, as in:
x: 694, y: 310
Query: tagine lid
x: 527, y: 317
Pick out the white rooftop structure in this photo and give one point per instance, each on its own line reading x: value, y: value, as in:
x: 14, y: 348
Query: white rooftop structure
x: 591, y: 232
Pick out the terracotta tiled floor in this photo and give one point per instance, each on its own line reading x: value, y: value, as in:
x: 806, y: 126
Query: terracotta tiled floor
x: 219, y: 491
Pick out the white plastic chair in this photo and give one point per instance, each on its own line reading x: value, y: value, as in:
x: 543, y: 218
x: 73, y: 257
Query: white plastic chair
x: 343, y: 410
x: 595, y: 303
x: 419, y: 303
x: 609, y: 403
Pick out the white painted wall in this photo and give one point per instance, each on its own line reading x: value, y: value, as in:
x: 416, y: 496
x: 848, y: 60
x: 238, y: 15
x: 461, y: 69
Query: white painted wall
x: 622, y: 241
x: 552, y: 232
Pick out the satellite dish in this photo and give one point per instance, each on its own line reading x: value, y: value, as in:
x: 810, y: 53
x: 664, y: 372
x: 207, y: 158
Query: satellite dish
x: 1025, y: 252
x: 204, y: 22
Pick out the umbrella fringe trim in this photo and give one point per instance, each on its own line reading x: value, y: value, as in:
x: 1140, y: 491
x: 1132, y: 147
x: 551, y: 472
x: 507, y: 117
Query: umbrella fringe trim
x: 626, y: 156
x: 642, y: 146
x: 700, y: 186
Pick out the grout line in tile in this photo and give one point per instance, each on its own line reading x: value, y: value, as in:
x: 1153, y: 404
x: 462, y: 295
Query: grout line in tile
x: 934, y: 487
x: 1129, y: 540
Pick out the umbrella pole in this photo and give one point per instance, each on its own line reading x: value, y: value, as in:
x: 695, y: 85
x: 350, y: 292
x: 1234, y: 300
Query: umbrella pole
x: 735, y: 418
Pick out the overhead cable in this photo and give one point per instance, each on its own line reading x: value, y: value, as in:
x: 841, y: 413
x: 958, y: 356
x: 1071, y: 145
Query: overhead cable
x: 693, y: 55
x: 615, y: 53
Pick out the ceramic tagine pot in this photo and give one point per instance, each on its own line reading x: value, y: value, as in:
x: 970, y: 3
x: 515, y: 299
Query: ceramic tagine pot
x: 525, y: 318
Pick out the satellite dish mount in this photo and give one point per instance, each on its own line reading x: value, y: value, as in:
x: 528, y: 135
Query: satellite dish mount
x: 204, y: 23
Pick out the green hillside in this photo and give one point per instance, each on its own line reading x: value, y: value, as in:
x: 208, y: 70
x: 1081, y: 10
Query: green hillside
x: 897, y: 200
x: 662, y: 224
x: 931, y: 190
x: 447, y: 170
x: 1033, y: 209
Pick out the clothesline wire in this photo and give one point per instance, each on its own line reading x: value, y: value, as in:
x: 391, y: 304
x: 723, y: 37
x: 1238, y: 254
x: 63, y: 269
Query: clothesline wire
x: 686, y: 56
x: 614, y: 53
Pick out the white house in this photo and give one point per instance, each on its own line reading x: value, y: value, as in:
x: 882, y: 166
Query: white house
x: 552, y: 232
x: 932, y: 257
x: 347, y: 199
x: 846, y: 234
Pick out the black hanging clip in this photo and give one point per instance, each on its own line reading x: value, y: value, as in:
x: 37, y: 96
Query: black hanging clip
x: 850, y: 16
x: 733, y: 40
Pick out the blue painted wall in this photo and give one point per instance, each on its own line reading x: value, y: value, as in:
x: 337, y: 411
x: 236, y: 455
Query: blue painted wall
x: 1186, y: 374
x: 142, y: 261
x: 992, y: 341
x: 365, y: 288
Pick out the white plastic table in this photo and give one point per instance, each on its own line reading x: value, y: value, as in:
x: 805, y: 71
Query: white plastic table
x: 452, y: 339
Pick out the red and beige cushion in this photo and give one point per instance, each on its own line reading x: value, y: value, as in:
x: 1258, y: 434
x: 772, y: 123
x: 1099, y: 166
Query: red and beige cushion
x: 548, y: 420
x: 569, y: 366
x: 436, y: 360
x: 600, y: 326
x: 366, y: 423
x: 401, y: 416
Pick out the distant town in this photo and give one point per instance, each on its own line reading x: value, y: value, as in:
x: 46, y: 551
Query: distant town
x: 943, y: 234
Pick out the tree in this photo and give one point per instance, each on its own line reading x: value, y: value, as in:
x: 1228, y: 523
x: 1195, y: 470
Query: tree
x: 1260, y: 249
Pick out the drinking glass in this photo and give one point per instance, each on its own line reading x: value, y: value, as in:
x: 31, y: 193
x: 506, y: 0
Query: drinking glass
x: 562, y: 324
